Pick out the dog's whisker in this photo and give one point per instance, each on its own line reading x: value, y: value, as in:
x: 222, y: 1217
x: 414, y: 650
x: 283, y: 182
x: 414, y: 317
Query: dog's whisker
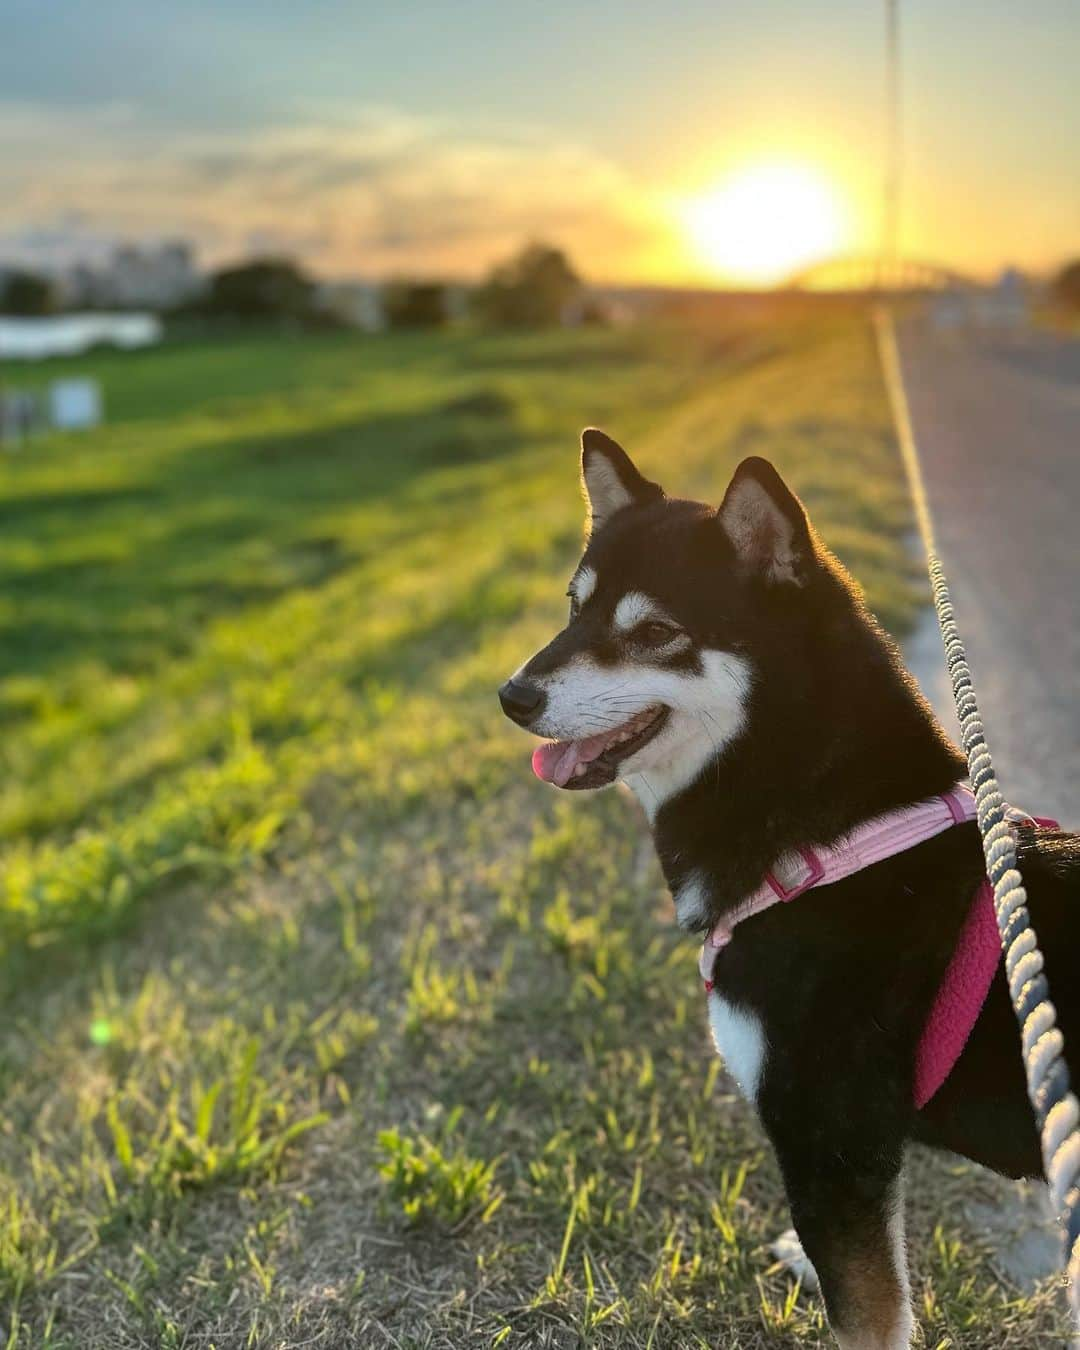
x: 646, y: 784
x: 716, y: 749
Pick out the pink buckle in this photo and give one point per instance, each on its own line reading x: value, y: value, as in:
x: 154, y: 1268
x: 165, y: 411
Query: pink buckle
x: 817, y: 871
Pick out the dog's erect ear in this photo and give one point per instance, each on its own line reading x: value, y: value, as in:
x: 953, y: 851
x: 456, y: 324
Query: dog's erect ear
x: 610, y: 479
x: 766, y: 523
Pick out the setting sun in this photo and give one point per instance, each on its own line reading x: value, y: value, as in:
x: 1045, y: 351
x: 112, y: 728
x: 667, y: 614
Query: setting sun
x: 765, y: 221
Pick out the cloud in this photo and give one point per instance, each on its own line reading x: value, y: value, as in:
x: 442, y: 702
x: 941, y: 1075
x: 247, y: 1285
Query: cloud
x: 372, y: 193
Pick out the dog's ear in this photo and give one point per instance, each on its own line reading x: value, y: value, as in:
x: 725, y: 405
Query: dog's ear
x: 610, y: 479
x: 766, y: 523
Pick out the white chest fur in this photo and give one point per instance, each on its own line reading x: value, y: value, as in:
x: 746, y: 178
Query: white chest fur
x: 740, y: 1040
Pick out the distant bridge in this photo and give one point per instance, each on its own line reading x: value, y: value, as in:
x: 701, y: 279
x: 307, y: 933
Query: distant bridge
x: 865, y: 272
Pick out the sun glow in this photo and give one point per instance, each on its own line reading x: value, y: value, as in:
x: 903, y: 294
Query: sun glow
x: 766, y: 221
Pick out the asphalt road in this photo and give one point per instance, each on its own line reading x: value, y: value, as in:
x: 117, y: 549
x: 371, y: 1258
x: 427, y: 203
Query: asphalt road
x: 997, y: 422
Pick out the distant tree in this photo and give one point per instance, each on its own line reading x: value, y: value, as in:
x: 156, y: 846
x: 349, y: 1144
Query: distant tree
x: 26, y: 294
x: 1067, y: 285
x: 533, y: 289
x: 265, y: 288
x: 593, y: 311
x: 414, y: 304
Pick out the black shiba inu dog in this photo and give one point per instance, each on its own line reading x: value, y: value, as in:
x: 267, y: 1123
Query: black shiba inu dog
x: 721, y: 663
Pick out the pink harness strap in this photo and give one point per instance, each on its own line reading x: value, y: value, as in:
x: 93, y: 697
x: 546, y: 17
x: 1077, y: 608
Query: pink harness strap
x: 970, y: 973
x: 963, y: 989
x: 960, y: 996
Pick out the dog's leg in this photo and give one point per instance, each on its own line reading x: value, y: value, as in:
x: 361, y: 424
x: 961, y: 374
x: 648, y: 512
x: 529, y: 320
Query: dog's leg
x: 851, y: 1225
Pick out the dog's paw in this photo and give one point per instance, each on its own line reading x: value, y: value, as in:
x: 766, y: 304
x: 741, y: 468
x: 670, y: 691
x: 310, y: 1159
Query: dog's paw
x: 789, y: 1252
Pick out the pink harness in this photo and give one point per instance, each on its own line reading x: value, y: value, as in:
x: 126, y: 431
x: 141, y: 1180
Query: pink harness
x: 971, y: 970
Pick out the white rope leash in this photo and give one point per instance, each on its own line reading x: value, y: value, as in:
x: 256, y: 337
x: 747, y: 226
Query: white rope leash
x: 1056, y: 1109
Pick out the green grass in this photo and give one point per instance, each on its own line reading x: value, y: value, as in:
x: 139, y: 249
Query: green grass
x: 324, y: 1022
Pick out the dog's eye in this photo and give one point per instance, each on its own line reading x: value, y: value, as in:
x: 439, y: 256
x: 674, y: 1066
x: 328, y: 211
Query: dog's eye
x: 656, y: 633
x: 574, y: 606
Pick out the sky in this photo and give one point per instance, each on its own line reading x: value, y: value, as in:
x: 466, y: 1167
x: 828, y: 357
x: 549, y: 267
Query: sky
x: 433, y: 139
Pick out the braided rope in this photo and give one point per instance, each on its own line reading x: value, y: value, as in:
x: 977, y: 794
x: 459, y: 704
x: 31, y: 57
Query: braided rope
x: 1057, y: 1111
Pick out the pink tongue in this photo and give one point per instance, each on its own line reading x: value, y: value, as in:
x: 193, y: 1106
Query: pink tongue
x: 555, y: 761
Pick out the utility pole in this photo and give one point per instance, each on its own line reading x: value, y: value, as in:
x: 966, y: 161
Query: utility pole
x: 890, y: 206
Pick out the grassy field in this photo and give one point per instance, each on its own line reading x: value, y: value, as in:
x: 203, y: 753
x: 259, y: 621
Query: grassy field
x: 325, y: 1024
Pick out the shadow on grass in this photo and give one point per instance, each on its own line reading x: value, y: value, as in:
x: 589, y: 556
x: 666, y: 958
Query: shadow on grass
x: 246, y: 525
x: 411, y: 661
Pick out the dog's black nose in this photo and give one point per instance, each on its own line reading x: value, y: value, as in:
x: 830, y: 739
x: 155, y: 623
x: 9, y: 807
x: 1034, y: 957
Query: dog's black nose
x: 521, y: 701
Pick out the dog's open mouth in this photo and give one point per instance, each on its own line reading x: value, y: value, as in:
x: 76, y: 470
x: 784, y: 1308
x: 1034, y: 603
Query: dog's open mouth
x: 594, y: 761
